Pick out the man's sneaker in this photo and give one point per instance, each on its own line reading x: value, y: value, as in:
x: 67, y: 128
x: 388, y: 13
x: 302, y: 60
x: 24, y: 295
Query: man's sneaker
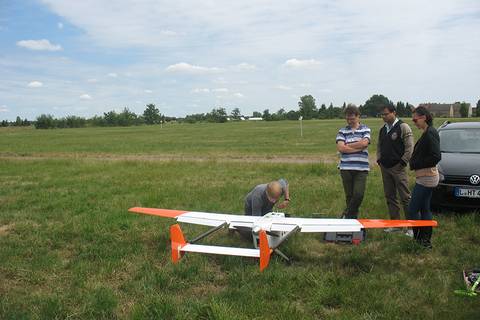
x: 409, y: 233
x: 392, y: 229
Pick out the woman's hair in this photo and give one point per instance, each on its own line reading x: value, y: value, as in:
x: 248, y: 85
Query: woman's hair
x: 422, y: 111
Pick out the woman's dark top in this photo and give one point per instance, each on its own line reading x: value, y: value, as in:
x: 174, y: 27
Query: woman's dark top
x: 426, y: 153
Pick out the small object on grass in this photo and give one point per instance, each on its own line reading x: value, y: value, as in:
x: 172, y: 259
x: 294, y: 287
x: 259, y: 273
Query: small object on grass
x: 472, y: 281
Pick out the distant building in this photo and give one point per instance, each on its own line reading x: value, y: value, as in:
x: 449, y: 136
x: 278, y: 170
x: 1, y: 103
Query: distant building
x: 255, y: 119
x: 451, y: 110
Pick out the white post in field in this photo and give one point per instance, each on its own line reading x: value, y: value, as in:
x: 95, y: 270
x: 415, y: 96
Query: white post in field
x: 301, y: 126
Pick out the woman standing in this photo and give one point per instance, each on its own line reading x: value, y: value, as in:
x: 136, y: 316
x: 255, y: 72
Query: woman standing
x: 426, y: 155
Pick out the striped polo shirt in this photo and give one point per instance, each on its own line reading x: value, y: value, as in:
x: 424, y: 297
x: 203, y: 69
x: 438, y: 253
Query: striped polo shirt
x: 358, y: 160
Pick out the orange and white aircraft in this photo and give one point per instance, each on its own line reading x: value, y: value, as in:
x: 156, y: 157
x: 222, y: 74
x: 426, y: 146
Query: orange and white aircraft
x: 268, y: 231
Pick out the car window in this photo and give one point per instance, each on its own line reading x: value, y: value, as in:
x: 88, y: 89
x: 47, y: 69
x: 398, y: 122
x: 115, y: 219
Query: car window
x: 460, y: 140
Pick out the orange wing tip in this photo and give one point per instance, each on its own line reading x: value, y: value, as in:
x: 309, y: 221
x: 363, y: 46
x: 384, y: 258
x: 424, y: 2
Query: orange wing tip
x: 167, y: 213
x: 377, y: 223
x: 178, y: 241
x: 265, y: 250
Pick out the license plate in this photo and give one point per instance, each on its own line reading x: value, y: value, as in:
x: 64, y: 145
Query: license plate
x: 467, y: 192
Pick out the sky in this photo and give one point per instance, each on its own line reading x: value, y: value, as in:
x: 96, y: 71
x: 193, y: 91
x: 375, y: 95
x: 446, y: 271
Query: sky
x: 84, y: 58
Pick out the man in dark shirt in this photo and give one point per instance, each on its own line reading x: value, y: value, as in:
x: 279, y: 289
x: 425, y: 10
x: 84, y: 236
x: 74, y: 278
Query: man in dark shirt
x: 263, y: 197
x: 395, y: 146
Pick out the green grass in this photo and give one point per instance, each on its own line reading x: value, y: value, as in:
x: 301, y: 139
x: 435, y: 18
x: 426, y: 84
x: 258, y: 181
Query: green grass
x: 69, y: 248
x: 205, y: 140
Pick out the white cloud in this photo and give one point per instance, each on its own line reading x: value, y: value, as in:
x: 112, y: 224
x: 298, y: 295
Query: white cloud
x: 169, y: 33
x: 42, y: 44
x: 92, y: 80
x: 200, y: 90
x: 112, y: 75
x: 35, y: 84
x: 85, y: 96
x: 244, y: 67
x: 60, y: 25
x: 282, y: 87
x: 3, y: 108
x: 183, y: 67
x: 238, y: 95
x: 296, y: 63
x: 147, y: 91
x: 220, y: 90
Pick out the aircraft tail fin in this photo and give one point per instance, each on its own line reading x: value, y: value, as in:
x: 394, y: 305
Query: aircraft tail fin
x: 178, y: 241
x: 265, y: 250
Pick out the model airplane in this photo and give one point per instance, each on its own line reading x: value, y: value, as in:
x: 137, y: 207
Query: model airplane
x: 268, y: 231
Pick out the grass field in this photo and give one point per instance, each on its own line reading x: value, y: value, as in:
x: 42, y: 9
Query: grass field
x: 70, y: 250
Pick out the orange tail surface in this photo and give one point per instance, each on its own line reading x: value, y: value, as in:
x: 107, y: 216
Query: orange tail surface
x: 178, y: 241
x: 265, y: 250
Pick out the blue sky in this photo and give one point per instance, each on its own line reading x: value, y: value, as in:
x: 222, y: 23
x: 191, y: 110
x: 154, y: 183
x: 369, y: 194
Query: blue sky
x: 88, y: 57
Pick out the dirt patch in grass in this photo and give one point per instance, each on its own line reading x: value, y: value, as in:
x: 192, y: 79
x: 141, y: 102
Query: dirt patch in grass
x: 5, y: 229
x: 173, y: 157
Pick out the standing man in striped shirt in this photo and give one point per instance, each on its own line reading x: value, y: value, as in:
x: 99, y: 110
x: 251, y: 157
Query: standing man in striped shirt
x: 352, y: 143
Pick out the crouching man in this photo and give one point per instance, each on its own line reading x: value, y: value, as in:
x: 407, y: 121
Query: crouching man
x: 263, y: 198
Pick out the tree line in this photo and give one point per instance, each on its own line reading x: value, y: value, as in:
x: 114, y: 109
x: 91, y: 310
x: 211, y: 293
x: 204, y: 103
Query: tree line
x: 125, y: 118
x: 307, y: 109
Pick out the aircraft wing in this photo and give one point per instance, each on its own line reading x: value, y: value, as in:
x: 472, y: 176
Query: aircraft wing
x: 273, y: 222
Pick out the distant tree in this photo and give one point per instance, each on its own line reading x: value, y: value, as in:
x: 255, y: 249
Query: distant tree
x: 464, y: 109
x: 374, y: 105
x: 322, y: 112
x: 256, y: 114
x: 192, y: 118
x: 236, y: 114
x: 97, y: 121
x: 4, y: 123
x: 408, y: 109
x: 293, y: 115
x: 75, y: 122
x: 307, y: 107
x: 400, y: 109
x: 266, y: 115
x: 330, y: 111
x: 217, y: 115
x: 279, y: 115
x: 344, y: 105
x: 111, y: 118
x: 60, y: 123
x: 18, y: 122
x: 45, y: 121
x: 151, y: 114
x: 478, y: 109
x: 128, y: 118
